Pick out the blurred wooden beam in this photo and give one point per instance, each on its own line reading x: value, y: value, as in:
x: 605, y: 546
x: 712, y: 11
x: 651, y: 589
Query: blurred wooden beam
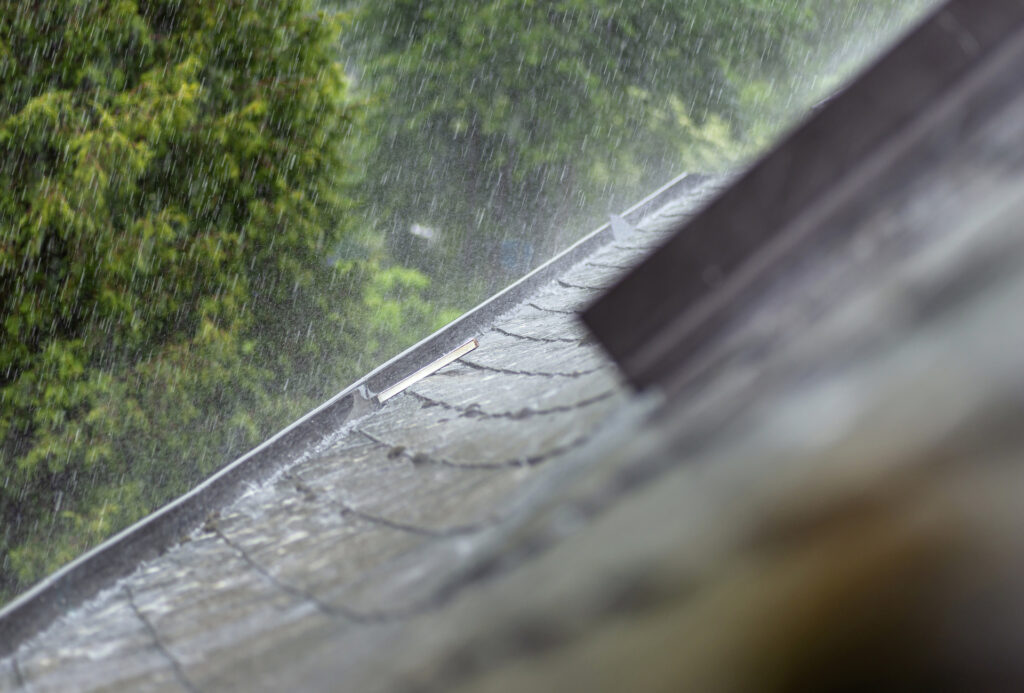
x: 961, y: 63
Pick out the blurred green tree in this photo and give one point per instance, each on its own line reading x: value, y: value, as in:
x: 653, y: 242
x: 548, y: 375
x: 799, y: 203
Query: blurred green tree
x: 173, y: 177
x: 531, y: 119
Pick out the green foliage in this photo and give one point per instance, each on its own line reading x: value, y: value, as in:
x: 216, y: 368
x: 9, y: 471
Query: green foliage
x: 531, y: 119
x: 501, y: 117
x: 172, y: 176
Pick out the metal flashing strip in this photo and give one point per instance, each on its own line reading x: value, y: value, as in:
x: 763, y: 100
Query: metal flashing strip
x: 940, y: 80
x: 426, y: 371
x: 118, y: 556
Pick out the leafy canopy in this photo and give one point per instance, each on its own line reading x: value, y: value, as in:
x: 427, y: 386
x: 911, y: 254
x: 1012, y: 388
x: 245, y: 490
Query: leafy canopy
x: 532, y: 119
x: 174, y: 175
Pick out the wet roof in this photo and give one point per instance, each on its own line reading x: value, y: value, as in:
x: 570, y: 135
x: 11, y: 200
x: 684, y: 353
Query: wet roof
x: 383, y: 523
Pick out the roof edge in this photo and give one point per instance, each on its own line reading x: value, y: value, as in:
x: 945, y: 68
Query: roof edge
x: 84, y: 577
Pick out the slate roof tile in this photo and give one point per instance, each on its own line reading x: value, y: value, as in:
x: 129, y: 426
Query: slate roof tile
x: 371, y: 531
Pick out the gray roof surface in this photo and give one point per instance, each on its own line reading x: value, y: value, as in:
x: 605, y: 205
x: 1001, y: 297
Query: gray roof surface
x: 349, y: 544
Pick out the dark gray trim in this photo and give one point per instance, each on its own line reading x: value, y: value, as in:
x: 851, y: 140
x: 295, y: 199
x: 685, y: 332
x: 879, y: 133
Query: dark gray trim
x: 950, y: 71
x: 118, y: 556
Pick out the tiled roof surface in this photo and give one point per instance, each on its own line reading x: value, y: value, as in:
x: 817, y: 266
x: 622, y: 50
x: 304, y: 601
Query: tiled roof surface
x: 348, y: 546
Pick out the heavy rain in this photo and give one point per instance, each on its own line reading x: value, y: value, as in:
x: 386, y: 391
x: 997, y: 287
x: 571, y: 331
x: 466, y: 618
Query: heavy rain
x: 214, y: 216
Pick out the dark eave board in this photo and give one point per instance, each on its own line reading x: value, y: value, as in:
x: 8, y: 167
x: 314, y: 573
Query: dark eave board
x: 937, y: 85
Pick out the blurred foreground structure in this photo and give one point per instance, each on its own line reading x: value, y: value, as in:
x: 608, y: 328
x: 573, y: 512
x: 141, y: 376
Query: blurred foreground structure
x: 826, y: 498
